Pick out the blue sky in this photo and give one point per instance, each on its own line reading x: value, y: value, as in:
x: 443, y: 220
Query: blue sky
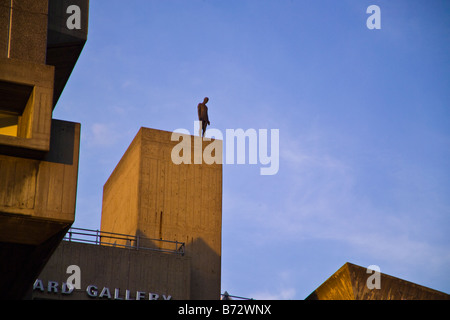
x: 363, y: 115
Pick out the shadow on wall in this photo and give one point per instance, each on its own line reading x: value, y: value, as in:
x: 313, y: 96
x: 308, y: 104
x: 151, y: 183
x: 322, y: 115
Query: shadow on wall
x: 205, y: 265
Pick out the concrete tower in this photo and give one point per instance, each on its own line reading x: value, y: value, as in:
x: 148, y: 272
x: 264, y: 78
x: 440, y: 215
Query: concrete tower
x: 148, y: 195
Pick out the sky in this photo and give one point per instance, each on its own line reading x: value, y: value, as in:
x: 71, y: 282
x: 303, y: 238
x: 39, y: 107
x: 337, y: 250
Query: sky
x: 363, y: 118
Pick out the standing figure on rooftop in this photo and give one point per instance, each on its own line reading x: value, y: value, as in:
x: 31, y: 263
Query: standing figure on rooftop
x: 203, y: 116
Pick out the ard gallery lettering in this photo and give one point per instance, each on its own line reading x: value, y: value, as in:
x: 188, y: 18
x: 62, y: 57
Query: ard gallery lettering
x: 97, y: 292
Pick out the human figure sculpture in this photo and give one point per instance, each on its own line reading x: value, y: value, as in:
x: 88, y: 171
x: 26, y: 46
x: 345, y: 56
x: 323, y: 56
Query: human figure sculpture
x: 203, y: 116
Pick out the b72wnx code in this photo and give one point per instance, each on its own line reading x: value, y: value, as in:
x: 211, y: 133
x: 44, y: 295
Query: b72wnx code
x: 245, y: 309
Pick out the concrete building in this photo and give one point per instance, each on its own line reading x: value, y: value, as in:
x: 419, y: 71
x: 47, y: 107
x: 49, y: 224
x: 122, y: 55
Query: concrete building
x: 38, y: 154
x: 160, y: 234
x: 148, y: 195
x: 113, y: 272
x: 353, y: 282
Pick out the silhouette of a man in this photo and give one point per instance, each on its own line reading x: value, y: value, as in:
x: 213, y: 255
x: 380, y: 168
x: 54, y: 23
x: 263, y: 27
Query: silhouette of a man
x: 203, y: 115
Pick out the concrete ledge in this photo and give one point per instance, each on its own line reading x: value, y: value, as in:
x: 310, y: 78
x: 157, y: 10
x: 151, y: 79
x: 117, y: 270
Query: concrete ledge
x: 34, y: 117
x: 42, y: 189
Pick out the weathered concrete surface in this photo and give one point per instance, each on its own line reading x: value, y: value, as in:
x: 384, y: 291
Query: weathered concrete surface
x: 116, y: 268
x: 37, y: 206
x: 42, y: 189
x: 149, y: 195
x: 350, y: 283
x: 34, y: 111
x: 64, y: 45
x: 38, y: 155
x: 26, y: 30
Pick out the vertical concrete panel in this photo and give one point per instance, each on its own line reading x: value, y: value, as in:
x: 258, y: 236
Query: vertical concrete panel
x: 29, y: 30
x: 43, y: 188
x: 69, y: 190
x: 4, y: 27
x: 182, y: 203
x: 169, y: 180
x: 208, y: 198
x: 174, y: 194
x: 17, y: 183
x: 56, y: 181
x: 150, y: 216
x: 30, y: 186
x: 196, y: 194
x: 120, y: 193
x: 45, y: 114
x: 190, y: 200
x: 159, y: 194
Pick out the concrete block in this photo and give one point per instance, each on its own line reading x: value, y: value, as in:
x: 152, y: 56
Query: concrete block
x: 350, y: 283
x: 40, y: 189
x: 34, y: 110
x: 148, y: 195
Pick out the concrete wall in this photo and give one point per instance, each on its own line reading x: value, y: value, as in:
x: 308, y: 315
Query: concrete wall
x: 42, y: 188
x: 34, y: 111
x: 115, y: 268
x: 120, y: 193
x: 38, y: 155
x: 24, y: 31
x: 37, y: 206
x: 148, y: 195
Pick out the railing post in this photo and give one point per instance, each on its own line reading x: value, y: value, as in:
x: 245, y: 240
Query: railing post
x: 137, y: 242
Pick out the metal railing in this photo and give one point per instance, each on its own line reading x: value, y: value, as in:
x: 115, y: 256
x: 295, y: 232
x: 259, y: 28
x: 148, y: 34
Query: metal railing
x: 227, y: 296
x: 123, y: 240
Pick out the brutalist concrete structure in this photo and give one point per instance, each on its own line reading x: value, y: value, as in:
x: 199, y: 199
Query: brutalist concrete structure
x: 149, y: 195
x: 350, y: 282
x: 38, y: 154
x: 161, y: 229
